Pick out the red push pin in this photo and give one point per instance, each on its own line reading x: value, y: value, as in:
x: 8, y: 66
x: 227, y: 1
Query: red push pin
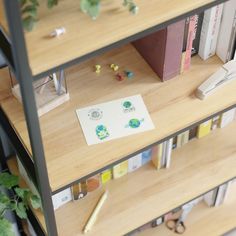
x: 119, y: 77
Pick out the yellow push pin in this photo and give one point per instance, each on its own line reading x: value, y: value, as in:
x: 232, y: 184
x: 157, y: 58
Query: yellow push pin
x: 98, y: 69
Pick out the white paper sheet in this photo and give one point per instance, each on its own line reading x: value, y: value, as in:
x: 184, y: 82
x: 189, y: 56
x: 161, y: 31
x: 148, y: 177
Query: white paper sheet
x: 114, y: 119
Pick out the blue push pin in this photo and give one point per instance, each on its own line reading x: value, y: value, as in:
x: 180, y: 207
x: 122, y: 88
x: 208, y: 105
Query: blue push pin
x: 129, y: 74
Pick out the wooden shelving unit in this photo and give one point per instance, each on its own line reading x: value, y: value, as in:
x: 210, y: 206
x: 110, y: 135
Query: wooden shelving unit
x: 204, y: 220
x: 59, y: 154
x: 69, y: 157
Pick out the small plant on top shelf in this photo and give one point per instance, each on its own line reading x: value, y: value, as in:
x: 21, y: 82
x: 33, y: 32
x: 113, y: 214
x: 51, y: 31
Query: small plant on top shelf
x: 91, y: 7
x: 18, y: 203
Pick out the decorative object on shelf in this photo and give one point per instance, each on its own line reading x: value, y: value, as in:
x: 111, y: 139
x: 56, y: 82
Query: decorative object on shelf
x: 50, y: 92
x: 18, y: 203
x: 129, y: 74
x: 119, y: 77
x: 57, y: 32
x: 98, y: 69
x: 224, y: 75
x: 95, y: 212
x: 29, y: 9
x: 114, y: 67
x: 113, y: 122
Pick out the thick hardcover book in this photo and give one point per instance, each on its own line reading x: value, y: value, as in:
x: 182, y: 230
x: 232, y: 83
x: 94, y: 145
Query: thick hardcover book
x: 197, y: 33
x: 169, y: 145
x: 210, y: 197
x: 146, y: 156
x: 210, y: 32
x: 162, y: 50
x: 226, y: 40
x: 106, y: 176
x: 191, y: 36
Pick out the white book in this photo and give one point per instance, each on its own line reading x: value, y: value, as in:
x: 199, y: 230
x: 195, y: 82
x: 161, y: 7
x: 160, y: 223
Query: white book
x: 210, y: 31
x: 221, y: 194
x: 210, y: 197
x: 227, y: 117
x: 169, y: 145
x: 134, y: 162
x: 163, y: 158
x: 224, y: 49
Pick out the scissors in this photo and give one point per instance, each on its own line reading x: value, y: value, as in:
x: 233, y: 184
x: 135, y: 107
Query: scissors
x: 177, y: 225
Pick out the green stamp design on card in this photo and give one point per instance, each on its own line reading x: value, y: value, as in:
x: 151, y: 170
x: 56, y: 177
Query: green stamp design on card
x: 102, y: 132
x: 134, y: 123
x: 128, y: 107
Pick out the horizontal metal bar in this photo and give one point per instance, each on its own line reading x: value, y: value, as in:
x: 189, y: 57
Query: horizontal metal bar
x: 5, y: 48
x: 217, y: 186
x: 18, y: 147
x: 141, y: 150
x: 128, y: 39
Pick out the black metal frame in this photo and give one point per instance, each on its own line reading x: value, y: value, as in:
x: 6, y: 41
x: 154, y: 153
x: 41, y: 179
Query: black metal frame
x: 14, y: 50
x: 24, y: 76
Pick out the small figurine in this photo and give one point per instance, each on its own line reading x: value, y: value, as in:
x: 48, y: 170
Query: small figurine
x: 98, y: 69
x: 114, y: 67
x: 57, y: 32
x: 129, y: 74
x: 119, y: 77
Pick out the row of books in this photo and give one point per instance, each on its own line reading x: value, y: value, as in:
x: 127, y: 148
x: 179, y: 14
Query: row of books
x: 169, y: 50
x: 214, y: 198
x: 159, y: 156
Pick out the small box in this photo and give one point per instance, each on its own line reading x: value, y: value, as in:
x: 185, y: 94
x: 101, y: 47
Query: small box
x: 135, y: 162
x: 204, y: 129
x: 146, y: 156
x: 120, y: 170
x: 106, y: 176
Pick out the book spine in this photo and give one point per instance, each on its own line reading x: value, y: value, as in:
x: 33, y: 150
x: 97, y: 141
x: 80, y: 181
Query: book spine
x: 204, y: 129
x: 210, y: 31
x: 169, y: 145
x: 157, y: 155
x: 197, y: 33
x: 163, y: 156
x: 225, y: 43
x: 191, y: 35
x: 106, y: 176
x: 227, y: 117
x: 146, y: 156
x: 120, y: 170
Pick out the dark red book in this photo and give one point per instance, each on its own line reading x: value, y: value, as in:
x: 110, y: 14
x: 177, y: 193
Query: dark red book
x: 163, y: 50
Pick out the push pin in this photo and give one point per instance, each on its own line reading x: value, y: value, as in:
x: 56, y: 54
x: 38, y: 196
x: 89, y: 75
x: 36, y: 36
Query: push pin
x: 98, y: 69
x: 129, y: 74
x: 57, y: 32
x: 114, y: 67
x: 119, y: 77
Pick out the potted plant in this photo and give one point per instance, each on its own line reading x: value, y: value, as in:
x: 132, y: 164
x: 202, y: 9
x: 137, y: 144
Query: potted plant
x: 19, y: 203
x: 91, y: 7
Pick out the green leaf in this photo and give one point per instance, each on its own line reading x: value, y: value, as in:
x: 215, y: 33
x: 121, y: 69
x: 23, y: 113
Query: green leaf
x: 30, y: 10
x: 94, y: 11
x: 28, y: 23
x: 8, y: 180
x: 35, y: 201
x: 22, y: 2
x: 21, y: 210
x: 84, y: 5
x: 35, y: 2
x: 6, y: 228
x: 24, y: 194
x: 52, y: 3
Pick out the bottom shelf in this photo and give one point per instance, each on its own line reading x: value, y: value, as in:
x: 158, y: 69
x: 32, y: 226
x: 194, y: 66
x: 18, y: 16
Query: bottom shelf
x: 204, y: 220
x: 141, y: 196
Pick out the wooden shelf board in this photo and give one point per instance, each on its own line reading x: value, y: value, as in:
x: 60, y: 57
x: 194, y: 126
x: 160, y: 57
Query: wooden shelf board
x: 145, y: 194
x: 84, y: 35
x: 204, y: 220
x: 13, y: 167
x: 172, y: 106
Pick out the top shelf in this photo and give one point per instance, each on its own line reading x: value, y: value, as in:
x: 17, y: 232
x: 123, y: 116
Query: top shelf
x: 85, y: 37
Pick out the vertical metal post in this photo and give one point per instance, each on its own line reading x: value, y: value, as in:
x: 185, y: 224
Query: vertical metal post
x: 25, y: 78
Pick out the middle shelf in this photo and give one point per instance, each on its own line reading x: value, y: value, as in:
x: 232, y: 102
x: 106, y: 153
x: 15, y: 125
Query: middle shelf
x: 172, y: 106
x: 146, y: 194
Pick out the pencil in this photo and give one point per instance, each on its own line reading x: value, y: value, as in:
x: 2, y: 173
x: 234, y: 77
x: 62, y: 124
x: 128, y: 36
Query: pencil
x: 95, y: 212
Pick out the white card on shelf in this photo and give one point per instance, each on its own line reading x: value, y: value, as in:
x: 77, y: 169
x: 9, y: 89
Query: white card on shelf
x: 114, y: 119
